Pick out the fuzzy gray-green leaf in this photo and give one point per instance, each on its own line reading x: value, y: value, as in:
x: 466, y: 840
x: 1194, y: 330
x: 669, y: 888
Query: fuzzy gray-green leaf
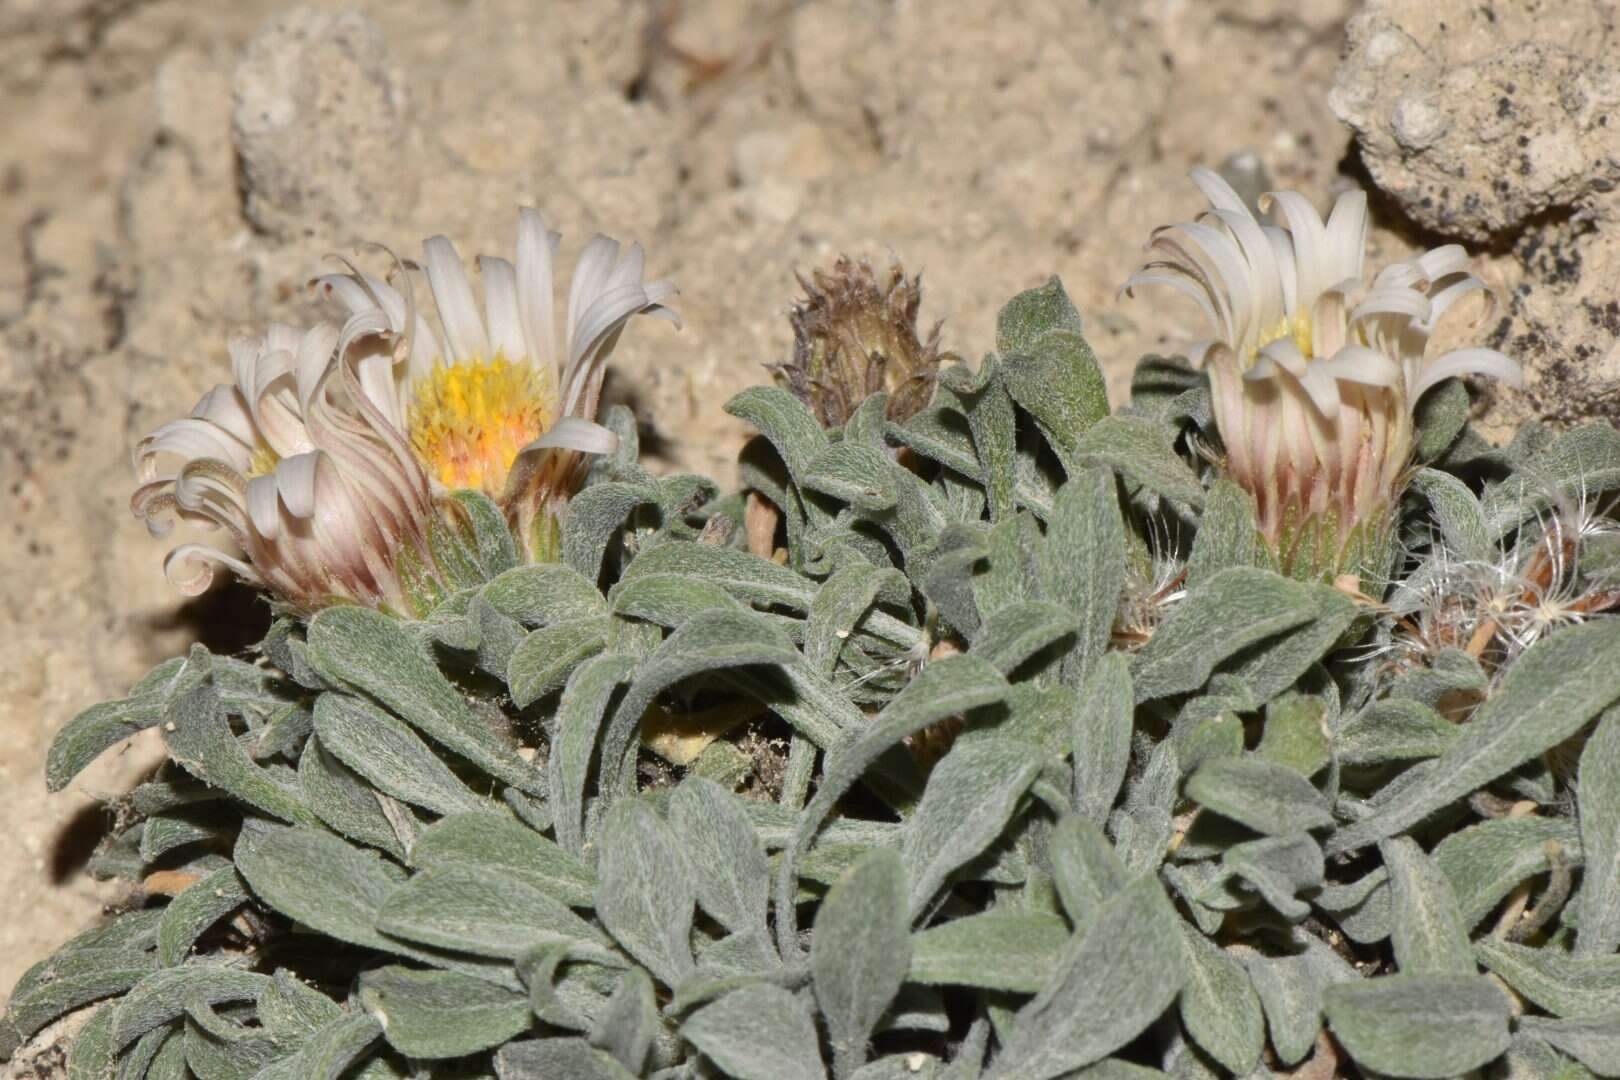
x: 441, y: 1014
x: 1546, y: 696
x: 1428, y: 932
x: 644, y: 892
x: 545, y: 658
x: 1103, y: 723
x: 485, y: 913
x: 1420, y: 1026
x: 971, y: 795
x: 1264, y: 796
x: 729, y: 869
x: 389, y: 754
x: 1115, y: 977
x: 1597, y: 905
x: 496, y: 843
x: 1082, y: 564
x: 1232, y: 610
x: 1000, y: 949
x: 369, y: 651
x: 1219, y: 1005
x: 1142, y: 451
x: 860, y: 952
x: 760, y: 1033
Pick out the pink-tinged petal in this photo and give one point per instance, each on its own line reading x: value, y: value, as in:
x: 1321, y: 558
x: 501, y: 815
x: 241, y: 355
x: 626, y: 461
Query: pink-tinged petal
x: 501, y: 309
x: 190, y: 568
x: 1179, y: 282
x: 1347, y: 234
x: 453, y: 295
x: 1311, y: 268
x: 191, y: 439
x: 1362, y: 366
x: 225, y: 407
x: 376, y: 375
x: 264, y: 506
x: 575, y: 433
x: 536, y: 257
x: 295, y: 480
x: 1477, y: 361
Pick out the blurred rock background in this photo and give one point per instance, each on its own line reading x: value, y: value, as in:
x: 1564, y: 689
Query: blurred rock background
x: 172, y: 171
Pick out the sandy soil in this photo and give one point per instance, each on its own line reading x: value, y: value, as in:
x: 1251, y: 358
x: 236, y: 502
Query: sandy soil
x: 173, y: 170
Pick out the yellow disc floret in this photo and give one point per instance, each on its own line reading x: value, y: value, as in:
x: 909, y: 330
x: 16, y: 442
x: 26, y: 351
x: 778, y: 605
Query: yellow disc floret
x: 468, y: 421
x: 1296, y: 326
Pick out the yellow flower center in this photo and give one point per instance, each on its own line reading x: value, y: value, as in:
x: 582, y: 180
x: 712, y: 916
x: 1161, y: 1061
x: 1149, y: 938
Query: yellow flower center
x: 468, y: 421
x: 1296, y: 326
x: 263, y: 462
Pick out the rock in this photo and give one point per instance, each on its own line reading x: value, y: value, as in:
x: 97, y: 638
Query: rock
x: 1479, y: 118
x: 319, y: 122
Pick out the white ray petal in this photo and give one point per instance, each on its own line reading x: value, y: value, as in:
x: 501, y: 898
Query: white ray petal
x: 576, y: 433
x: 453, y: 295
x: 1476, y: 361
x: 501, y: 309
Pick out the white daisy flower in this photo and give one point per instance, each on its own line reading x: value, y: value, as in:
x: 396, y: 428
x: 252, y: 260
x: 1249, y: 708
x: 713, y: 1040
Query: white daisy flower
x: 494, y: 398
x: 1314, y: 369
x: 322, y: 497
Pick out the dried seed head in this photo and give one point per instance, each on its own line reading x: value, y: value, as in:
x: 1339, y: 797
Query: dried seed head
x: 855, y: 333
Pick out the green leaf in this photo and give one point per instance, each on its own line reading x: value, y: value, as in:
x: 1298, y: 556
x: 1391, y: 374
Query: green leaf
x: 389, y: 754
x: 1048, y: 367
x: 668, y: 599
x: 1559, y: 983
x: 1594, y: 1041
x: 1291, y: 998
x: 1115, y: 977
x: 860, y: 952
x: 199, y: 739
x: 1578, y: 465
x: 485, y: 913
x: 166, y: 995
x: 1227, y: 535
x: 344, y: 802
x: 580, y: 715
x: 545, y: 658
x: 1597, y: 905
x: 109, y: 723
x: 370, y: 651
x: 1296, y: 733
x: 947, y: 687
x: 1086, y: 870
x: 644, y: 890
x: 713, y: 641
x: 759, y: 1033
x: 90, y: 1056
x: 1279, y: 868
x: 839, y: 605
x: 627, y: 1026
x: 319, y: 880
x: 1082, y: 564
x: 1268, y: 798
x: 63, y: 982
x: 1546, y: 696
x: 1393, y: 730
x: 971, y: 796
x: 858, y: 475
x: 441, y: 1014
x: 493, y: 842
x: 1143, y: 452
x: 552, y: 1059
x: 786, y: 422
x: 330, y: 1052
x: 1420, y: 1025
x: 1103, y: 723
x: 1485, y: 862
x: 1001, y: 949
x: 1428, y: 932
x: 544, y: 594
x: 728, y: 865
x: 1018, y: 631
x: 1439, y: 416
x: 1460, y: 518
x: 1219, y: 1006
x: 1232, y: 610
x: 202, y: 904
